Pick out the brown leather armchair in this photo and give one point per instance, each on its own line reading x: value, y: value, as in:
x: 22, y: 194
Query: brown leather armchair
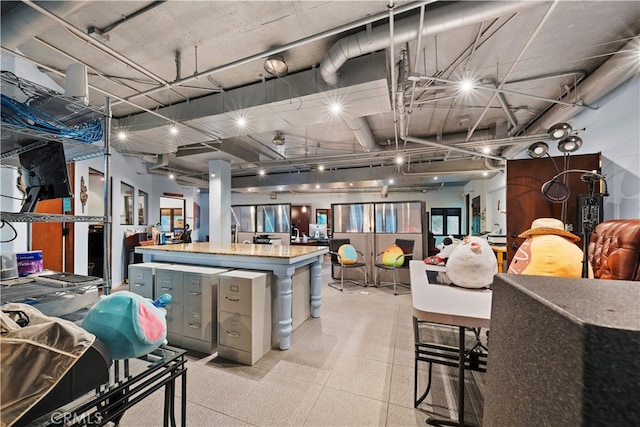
x: 614, y: 250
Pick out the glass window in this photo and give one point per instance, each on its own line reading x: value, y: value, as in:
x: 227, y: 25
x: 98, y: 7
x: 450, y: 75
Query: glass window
x: 352, y: 218
x: 126, y: 208
x: 446, y: 221
x: 244, y: 217
x: 142, y: 207
x: 273, y: 218
x: 400, y: 217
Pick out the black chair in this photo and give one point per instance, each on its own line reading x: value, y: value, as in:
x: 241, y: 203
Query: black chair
x: 407, y: 250
x: 334, y: 246
x: 186, y: 237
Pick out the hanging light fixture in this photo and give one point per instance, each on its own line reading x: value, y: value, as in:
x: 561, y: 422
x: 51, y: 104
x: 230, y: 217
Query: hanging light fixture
x: 276, y: 66
x: 278, y: 139
x: 559, y: 131
x: 538, y: 149
x: 570, y: 144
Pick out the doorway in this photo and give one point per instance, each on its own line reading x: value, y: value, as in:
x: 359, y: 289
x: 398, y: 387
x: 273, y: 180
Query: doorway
x: 172, y: 215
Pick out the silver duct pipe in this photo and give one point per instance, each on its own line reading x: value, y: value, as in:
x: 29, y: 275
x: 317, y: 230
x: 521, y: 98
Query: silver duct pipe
x: 362, y: 132
x: 622, y: 66
x: 23, y: 23
x: 447, y: 18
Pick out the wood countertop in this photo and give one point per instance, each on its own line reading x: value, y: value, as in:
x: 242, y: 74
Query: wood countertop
x: 237, y: 249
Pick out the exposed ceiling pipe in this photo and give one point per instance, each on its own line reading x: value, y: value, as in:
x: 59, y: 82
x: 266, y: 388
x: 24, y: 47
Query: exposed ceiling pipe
x: 514, y: 63
x: 452, y: 148
x: 279, y: 49
x: 622, y: 66
x: 362, y: 132
x: 446, y: 18
x: 23, y: 22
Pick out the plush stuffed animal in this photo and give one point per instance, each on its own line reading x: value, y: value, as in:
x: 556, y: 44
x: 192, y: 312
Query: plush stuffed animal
x: 472, y: 264
x: 548, y: 251
x: 128, y: 324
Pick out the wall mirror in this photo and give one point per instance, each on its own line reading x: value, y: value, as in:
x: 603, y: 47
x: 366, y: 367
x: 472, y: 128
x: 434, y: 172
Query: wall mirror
x: 142, y: 207
x: 126, y: 204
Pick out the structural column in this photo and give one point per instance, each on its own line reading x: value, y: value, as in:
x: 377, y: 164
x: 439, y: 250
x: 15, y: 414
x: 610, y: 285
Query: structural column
x: 219, y: 201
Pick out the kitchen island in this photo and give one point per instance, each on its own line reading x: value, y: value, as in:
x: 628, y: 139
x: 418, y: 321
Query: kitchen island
x: 281, y: 260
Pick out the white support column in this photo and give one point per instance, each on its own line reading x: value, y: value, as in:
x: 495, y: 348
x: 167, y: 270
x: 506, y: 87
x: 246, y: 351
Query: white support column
x: 220, y: 201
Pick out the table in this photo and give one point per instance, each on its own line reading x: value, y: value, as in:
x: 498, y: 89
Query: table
x: 282, y: 260
x: 447, y: 305
x: 500, y: 250
x: 131, y: 381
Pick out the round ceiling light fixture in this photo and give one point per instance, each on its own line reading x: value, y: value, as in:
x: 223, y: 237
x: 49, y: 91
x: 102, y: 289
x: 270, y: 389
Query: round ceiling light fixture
x: 570, y: 144
x: 278, y: 139
x: 276, y: 66
x: 538, y: 149
x: 559, y: 131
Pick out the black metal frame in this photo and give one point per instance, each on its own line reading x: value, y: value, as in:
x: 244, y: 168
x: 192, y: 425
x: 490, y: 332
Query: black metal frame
x: 474, y: 359
x: 111, y: 402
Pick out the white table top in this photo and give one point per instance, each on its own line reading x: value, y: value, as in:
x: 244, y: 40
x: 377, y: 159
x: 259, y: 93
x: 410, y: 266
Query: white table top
x: 445, y: 304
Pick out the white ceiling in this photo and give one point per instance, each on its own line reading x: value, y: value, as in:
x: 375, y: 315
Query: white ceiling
x: 200, y: 64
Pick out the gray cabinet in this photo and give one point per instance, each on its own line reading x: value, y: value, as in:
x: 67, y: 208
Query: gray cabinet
x: 244, y: 316
x: 192, y: 314
x: 142, y: 278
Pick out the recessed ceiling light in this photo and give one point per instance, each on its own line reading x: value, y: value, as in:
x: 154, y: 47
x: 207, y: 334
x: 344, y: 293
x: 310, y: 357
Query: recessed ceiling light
x: 261, y: 172
x: 241, y: 122
x: 336, y: 108
x: 486, y: 150
x: 466, y: 85
x: 172, y: 176
x: 317, y: 185
x: 391, y: 181
x: 435, y: 178
x: 320, y: 168
x: 213, y: 175
x: 485, y: 173
x: 351, y: 184
x: 174, y: 130
x: 122, y: 135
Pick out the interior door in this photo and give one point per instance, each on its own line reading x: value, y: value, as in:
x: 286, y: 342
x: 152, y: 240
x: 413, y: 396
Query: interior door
x: 525, y: 201
x: 55, y: 239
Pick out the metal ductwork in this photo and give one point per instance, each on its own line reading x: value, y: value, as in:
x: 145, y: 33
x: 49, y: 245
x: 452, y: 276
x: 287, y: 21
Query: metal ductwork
x: 361, y: 132
x: 23, y: 22
x: 446, y: 18
x: 162, y: 163
x: 618, y: 69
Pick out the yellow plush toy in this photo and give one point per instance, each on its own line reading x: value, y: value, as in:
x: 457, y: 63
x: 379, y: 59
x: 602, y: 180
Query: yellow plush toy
x: 548, y: 251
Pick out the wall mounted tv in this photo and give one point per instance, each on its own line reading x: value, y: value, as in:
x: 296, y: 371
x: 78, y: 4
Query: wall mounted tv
x: 45, y: 175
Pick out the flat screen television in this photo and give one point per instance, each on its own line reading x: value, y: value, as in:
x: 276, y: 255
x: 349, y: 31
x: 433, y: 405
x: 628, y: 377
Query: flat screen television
x: 318, y: 231
x: 45, y: 175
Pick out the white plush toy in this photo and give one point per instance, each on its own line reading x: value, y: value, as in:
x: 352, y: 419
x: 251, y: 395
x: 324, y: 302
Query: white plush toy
x: 472, y: 264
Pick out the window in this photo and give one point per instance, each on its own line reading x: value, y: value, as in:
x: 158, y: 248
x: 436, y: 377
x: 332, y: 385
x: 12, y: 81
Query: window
x: 446, y: 221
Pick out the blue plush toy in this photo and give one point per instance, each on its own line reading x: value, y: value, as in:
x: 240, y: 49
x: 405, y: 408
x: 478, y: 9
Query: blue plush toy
x: 128, y: 324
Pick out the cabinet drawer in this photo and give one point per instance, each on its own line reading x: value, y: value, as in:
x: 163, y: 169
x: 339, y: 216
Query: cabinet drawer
x: 235, y: 331
x: 174, y: 318
x: 194, y: 286
x: 169, y: 282
x: 197, y: 324
x: 235, y: 295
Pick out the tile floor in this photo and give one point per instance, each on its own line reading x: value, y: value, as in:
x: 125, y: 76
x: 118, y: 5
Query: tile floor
x: 353, y: 366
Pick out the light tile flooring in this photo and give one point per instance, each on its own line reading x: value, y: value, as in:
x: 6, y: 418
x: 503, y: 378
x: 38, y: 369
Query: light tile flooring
x: 352, y: 366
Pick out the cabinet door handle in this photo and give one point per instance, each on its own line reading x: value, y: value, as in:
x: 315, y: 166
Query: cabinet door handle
x: 138, y: 284
x: 233, y: 299
x: 166, y: 289
x: 196, y: 315
x: 194, y: 293
x: 233, y: 334
x: 194, y: 325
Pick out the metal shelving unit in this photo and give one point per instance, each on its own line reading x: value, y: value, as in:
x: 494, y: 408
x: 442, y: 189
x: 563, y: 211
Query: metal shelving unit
x: 73, y: 115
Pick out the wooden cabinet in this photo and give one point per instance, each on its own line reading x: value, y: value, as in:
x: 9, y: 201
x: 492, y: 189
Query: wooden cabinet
x: 192, y: 314
x: 244, y: 316
x: 525, y: 201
